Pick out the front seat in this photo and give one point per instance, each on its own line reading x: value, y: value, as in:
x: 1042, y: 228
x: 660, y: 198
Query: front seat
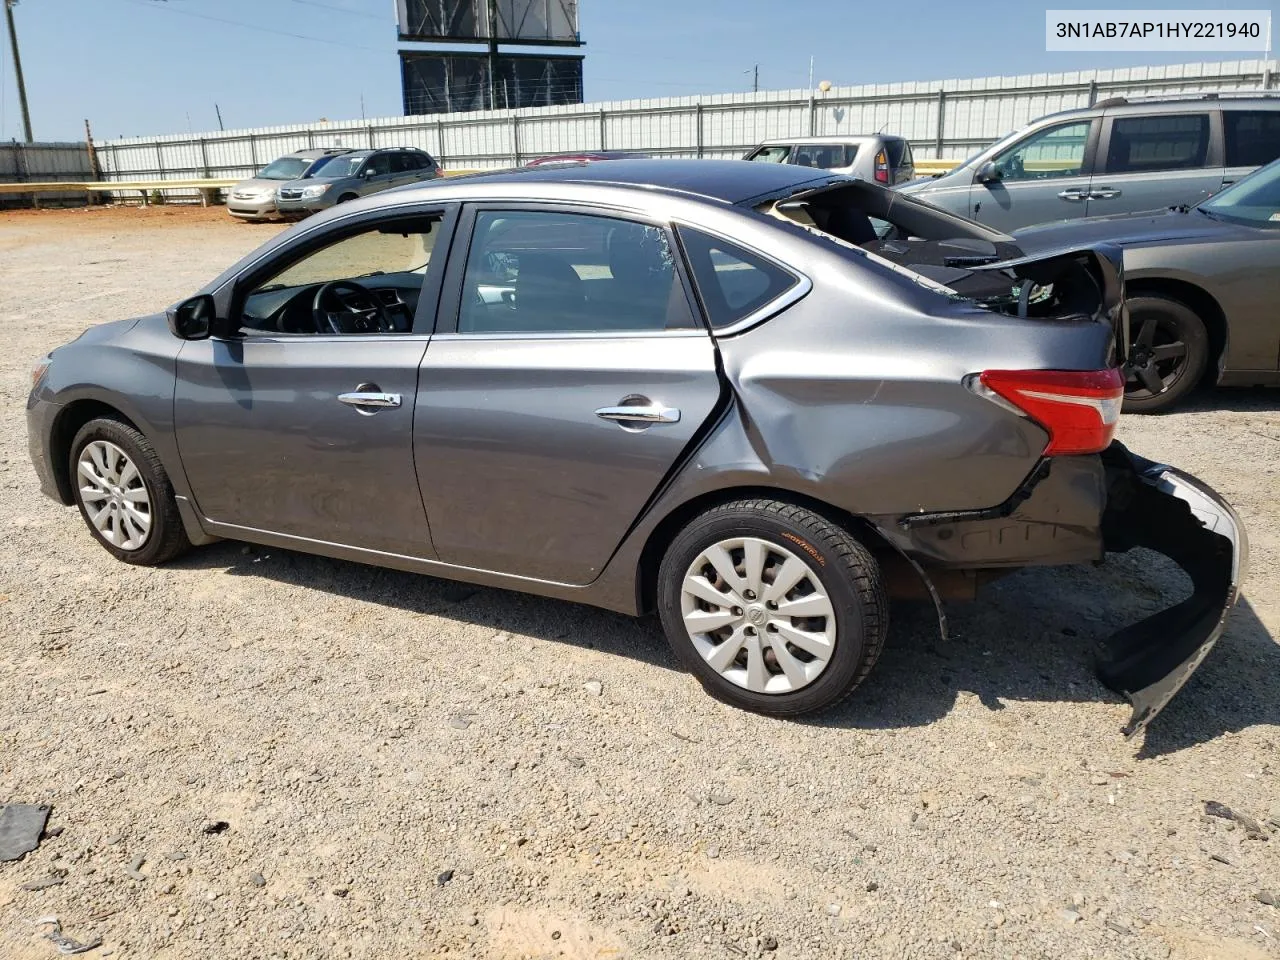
x: 548, y: 293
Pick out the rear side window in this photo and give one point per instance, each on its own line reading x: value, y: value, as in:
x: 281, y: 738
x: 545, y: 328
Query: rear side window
x: 733, y: 283
x: 1253, y: 137
x: 1162, y: 142
x: 823, y: 156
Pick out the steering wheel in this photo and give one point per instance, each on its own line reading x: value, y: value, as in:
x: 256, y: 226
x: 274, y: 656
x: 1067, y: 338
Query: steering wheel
x: 336, y: 315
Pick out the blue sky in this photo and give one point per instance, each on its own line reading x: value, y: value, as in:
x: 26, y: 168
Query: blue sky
x: 146, y: 66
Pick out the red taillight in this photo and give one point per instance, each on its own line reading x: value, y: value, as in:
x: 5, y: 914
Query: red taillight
x: 1079, y: 408
x: 882, y: 167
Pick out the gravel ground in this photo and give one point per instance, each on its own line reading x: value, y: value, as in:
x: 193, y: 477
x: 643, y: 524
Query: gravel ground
x: 253, y: 753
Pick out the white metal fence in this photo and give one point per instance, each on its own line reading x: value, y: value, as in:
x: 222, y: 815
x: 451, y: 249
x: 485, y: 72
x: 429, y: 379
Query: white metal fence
x: 946, y: 119
x: 20, y: 162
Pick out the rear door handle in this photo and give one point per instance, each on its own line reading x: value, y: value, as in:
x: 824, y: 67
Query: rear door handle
x: 650, y: 413
x: 1104, y: 193
x: 1074, y: 194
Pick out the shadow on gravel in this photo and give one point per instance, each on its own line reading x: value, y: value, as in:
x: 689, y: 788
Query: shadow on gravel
x: 1231, y: 400
x: 1027, y: 637
x: 501, y: 610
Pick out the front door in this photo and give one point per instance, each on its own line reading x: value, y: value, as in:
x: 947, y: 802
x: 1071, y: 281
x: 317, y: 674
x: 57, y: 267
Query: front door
x: 575, y: 376
x: 1042, y: 178
x: 301, y: 422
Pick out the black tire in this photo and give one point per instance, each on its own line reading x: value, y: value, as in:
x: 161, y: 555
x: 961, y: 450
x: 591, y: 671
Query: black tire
x: 1160, y: 325
x: 848, y: 574
x: 166, y: 538
x: 348, y: 196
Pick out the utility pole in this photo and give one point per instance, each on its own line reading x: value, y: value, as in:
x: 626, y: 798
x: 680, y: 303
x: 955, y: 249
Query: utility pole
x: 218, y: 111
x: 493, y: 54
x: 17, y: 69
x: 755, y: 79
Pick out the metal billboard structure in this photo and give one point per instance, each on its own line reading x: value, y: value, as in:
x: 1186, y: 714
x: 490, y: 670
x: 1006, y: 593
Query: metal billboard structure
x: 540, y: 22
x: 450, y: 81
x: 453, y: 82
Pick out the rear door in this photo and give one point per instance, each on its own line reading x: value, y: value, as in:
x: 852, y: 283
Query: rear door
x: 1042, y: 177
x: 1153, y: 161
x: 567, y: 377
x: 1251, y: 139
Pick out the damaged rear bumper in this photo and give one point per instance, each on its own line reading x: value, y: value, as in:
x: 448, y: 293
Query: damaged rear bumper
x: 1077, y: 509
x: 1158, y: 507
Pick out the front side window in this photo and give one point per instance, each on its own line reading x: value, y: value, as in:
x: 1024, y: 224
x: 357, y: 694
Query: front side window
x: 1161, y: 142
x: 541, y: 272
x: 367, y: 282
x: 733, y: 283
x: 1252, y: 137
x: 773, y: 154
x: 379, y: 163
x: 1054, y: 152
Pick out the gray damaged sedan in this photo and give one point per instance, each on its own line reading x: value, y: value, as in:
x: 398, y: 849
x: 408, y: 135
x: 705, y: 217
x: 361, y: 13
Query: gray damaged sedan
x: 755, y: 398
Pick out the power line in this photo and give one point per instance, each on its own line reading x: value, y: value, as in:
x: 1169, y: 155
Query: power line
x: 253, y: 26
x: 329, y: 6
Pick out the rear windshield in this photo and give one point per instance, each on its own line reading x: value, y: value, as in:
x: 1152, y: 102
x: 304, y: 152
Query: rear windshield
x: 899, y: 152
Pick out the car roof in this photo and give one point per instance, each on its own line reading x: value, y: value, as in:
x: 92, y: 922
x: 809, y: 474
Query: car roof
x: 730, y: 181
x: 1121, y: 106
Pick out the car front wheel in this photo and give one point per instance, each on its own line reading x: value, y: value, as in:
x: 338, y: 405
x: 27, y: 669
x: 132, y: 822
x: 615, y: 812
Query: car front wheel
x: 124, y: 494
x: 772, y: 607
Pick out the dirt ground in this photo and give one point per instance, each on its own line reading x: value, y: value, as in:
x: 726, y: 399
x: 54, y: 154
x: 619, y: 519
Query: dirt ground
x: 252, y: 753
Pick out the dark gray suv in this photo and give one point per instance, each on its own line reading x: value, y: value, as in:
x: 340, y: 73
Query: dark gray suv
x: 713, y: 389
x: 1117, y: 157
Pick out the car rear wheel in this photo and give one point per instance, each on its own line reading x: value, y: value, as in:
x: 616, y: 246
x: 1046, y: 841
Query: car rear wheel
x: 1167, y: 356
x: 124, y: 494
x: 772, y: 607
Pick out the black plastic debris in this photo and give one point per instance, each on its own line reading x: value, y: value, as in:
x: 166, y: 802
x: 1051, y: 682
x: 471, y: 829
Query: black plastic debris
x: 216, y: 827
x: 21, y: 825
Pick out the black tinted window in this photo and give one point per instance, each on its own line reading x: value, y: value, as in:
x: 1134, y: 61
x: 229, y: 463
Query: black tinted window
x: 1253, y: 137
x: 732, y: 282
x: 898, y: 151
x: 1162, y: 142
x: 380, y: 163
x: 536, y: 272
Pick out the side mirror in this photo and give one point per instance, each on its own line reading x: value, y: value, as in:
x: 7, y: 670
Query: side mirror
x: 368, y: 172
x: 988, y: 173
x: 192, y: 319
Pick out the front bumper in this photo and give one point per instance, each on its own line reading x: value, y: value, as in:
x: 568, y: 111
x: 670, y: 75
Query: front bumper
x: 41, y: 415
x: 1158, y: 507
x: 251, y: 209
x: 301, y: 206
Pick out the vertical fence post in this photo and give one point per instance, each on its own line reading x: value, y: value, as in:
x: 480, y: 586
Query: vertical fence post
x: 602, y: 129
x: 440, y: 138
x: 369, y: 131
x: 942, y: 120
x: 253, y: 152
x: 204, y: 157
x: 813, y: 115
x: 515, y: 139
x: 311, y: 138
x: 698, y: 125
x: 1093, y: 92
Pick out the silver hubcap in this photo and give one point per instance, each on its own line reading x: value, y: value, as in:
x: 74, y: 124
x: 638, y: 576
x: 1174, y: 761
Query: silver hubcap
x: 758, y: 615
x: 114, y: 496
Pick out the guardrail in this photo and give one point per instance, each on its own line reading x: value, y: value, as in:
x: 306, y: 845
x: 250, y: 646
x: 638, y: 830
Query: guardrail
x: 207, y: 188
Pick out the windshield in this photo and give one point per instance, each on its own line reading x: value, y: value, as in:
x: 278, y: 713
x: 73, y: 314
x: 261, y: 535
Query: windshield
x: 342, y: 167
x: 1255, y: 199
x: 988, y: 148
x: 286, y: 168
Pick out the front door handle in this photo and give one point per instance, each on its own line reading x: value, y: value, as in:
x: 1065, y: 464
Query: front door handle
x: 647, y: 413
x: 369, y: 402
x: 1074, y: 194
x: 1104, y: 193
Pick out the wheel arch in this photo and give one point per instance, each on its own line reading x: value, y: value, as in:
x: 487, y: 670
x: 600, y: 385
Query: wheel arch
x: 1198, y: 300
x: 68, y: 423
x: 666, y: 530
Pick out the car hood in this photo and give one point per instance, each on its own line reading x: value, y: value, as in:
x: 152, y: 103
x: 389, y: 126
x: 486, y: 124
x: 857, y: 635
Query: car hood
x: 1126, y: 230
x: 256, y: 184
